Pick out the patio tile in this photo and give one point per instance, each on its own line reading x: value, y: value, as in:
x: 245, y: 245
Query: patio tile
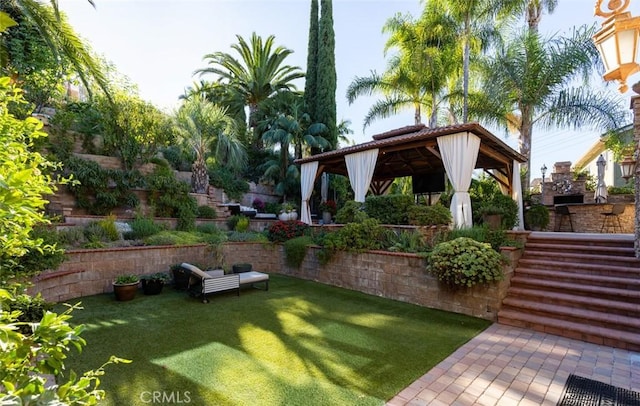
x: 513, y: 366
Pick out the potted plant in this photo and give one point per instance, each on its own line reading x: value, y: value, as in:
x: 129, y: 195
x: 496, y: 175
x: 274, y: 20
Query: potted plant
x: 537, y: 217
x: 180, y: 277
x: 492, y: 216
x: 328, y: 210
x: 125, y: 287
x: 152, y: 284
x: 288, y: 212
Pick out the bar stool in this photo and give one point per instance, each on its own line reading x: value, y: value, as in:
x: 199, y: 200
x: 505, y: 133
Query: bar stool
x: 612, y: 219
x: 562, y: 212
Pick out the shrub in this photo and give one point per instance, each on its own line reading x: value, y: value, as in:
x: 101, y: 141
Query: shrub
x: 208, y: 229
x: 258, y: 204
x: 232, y: 221
x: 351, y: 212
x: 389, y: 209
x: 31, y: 310
x: 271, y: 207
x: 169, y: 197
x: 173, y: 238
x: 242, y: 225
x: 108, y: 224
x: 500, y: 204
x: 295, y: 250
x: 537, y: 217
x: 94, y: 233
x: 420, y: 215
x: 465, y: 262
x: 281, y: 231
x: 234, y: 186
x: 142, y: 227
x: 367, y: 235
x: 495, y: 238
x: 407, y: 241
x: 37, y: 260
x: 207, y: 212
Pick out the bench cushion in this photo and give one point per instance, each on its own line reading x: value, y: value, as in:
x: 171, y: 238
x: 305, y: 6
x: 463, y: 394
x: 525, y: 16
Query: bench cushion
x: 252, y: 277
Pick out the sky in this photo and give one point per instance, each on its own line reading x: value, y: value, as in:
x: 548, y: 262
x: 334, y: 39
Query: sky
x: 159, y: 44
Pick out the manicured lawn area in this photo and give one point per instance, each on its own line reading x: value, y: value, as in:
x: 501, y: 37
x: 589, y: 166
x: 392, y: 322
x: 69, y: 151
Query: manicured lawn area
x: 300, y: 343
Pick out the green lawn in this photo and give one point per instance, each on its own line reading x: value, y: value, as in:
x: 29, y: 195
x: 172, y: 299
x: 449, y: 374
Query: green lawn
x: 300, y: 343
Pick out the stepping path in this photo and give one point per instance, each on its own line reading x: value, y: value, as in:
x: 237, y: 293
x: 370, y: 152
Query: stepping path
x: 507, y: 365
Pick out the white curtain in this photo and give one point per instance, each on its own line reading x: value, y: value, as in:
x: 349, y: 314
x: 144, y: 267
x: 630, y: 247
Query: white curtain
x: 516, y: 194
x: 360, y: 167
x: 307, y: 176
x: 459, y: 155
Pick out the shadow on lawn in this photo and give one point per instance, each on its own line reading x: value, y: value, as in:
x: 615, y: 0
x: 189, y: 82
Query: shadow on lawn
x: 299, y: 343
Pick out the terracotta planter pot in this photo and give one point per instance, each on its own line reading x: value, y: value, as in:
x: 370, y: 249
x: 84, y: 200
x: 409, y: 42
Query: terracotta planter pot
x: 125, y: 292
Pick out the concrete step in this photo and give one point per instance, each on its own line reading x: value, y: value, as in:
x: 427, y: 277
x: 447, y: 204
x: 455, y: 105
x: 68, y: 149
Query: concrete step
x: 629, y: 282
x: 584, y: 268
x: 625, y: 250
x: 630, y: 296
x: 574, y: 314
x: 583, y: 257
x: 571, y: 300
x: 599, y: 240
x: 579, y: 331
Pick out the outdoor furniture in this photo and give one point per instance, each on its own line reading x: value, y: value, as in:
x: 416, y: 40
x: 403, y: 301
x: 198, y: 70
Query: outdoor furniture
x: 612, y: 219
x: 202, y: 283
x: 562, y: 212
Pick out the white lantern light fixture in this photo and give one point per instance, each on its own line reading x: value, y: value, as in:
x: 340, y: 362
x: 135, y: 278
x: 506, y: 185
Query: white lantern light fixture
x: 617, y: 41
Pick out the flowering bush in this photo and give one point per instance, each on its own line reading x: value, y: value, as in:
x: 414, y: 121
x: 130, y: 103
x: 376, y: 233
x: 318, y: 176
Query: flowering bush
x: 329, y: 206
x: 258, y: 205
x: 281, y: 231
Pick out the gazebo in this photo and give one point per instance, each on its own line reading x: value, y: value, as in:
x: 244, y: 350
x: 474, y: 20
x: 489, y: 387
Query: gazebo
x: 418, y: 151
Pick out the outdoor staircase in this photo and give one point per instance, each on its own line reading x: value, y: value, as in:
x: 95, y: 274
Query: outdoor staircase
x: 581, y: 286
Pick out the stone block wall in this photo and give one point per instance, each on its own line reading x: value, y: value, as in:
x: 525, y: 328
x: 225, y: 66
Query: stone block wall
x: 392, y: 275
x: 91, y: 272
x: 588, y: 218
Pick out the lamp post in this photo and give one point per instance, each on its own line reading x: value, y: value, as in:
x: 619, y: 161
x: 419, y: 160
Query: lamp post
x: 617, y: 42
x: 544, y: 171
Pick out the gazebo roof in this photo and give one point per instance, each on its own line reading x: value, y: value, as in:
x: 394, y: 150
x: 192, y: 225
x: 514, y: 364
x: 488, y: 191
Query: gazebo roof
x: 413, y: 150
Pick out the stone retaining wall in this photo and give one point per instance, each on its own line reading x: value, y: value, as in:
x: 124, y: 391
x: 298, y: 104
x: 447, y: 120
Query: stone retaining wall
x: 588, y: 218
x: 90, y: 272
x: 392, y: 275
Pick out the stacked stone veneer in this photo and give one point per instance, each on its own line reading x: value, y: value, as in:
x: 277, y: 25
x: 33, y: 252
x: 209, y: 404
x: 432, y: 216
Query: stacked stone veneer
x: 392, y: 275
x: 588, y: 218
x: 90, y: 272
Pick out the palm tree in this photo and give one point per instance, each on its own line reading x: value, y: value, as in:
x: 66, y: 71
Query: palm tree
x: 257, y: 75
x: 207, y: 129
x: 56, y: 33
x: 476, y: 29
x: 529, y: 83
x: 417, y: 75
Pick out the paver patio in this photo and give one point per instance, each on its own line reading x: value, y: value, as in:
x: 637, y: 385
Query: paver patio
x: 513, y: 366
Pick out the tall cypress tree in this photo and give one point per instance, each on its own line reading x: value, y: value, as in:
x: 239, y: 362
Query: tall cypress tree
x: 311, y: 80
x: 327, y: 78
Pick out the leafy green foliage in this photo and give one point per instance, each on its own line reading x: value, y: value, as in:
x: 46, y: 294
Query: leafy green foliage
x: 108, y: 224
x: 295, y: 250
x: 126, y: 279
x: 495, y: 238
x: 242, y: 225
x: 227, y: 180
x: 537, y: 216
x: 419, y: 215
x: 102, y: 190
x: 174, y: 238
x: 407, y: 241
x: 142, y: 227
x: 24, y: 179
x: 465, y: 262
x: 351, y: 212
x: 232, y: 221
x: 325, y: 111
x: 207, y: 212
x: 389, y: 209
x: 134, y: 128
x: 247, y: 236
x: 36, y: 260
x: 170, y: 198
x: 32, y: 351
x: 356, y: 237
